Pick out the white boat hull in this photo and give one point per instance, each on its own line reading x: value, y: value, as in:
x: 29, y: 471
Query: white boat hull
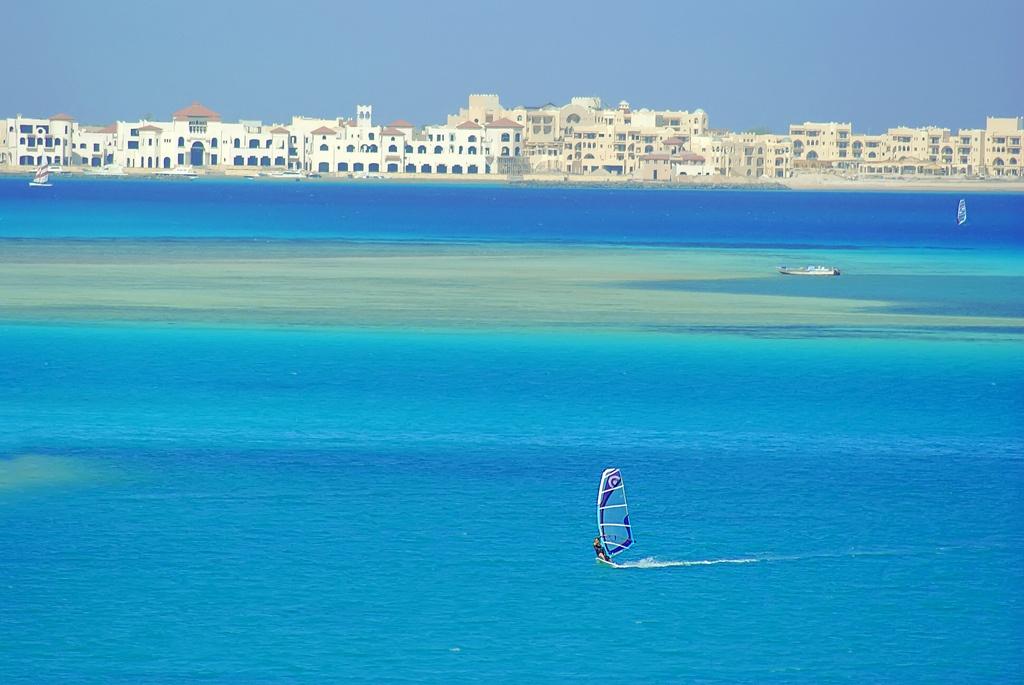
x: 809, y: 271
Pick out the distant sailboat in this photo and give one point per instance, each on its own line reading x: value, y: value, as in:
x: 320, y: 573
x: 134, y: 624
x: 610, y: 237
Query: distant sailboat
x: 42, y: 178
x: 961, y: 213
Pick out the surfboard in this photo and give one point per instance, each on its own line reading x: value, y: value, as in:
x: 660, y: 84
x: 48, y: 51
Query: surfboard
x: 607, y: 563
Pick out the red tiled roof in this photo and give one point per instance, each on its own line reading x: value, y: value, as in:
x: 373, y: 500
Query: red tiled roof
x: 62, y: 117
x: 323, y: 131
x: 504, y: 123
x: 655, y: 157
x: 279, y: 129
x: 690, y: 157
x: 469, y: 125
x: 109, y: 129
x: 673, y: 141
x: 196, y: 110
x: 150, y: 127
x: 400, y: 123
x: 390, y: 131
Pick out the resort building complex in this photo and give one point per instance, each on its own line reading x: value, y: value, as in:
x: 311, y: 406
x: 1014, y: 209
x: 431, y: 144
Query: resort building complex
x: 581, y: 138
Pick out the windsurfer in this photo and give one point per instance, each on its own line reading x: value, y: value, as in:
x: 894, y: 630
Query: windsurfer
x: 599, y: 550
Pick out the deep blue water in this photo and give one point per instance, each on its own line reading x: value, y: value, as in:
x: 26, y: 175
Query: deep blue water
x: 266, y: 505
x: 390, y: 211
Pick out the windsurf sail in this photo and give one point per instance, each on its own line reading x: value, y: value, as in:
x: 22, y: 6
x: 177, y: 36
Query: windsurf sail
x: 613, y: 514
x: 961, y: 213
x: 42, y: 176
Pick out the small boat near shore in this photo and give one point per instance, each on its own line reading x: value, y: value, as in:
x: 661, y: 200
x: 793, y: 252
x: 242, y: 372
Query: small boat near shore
x: 179, y: 172
x: 41, y: 178
x: 809, y: 271
x: 291, y: 174
x: 107, y: 170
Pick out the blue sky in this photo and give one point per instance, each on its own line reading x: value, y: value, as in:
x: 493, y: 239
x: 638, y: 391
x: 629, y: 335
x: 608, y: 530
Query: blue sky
x: 748, y: 64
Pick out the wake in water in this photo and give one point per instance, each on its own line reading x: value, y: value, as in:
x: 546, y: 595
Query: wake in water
x: 651, y: 562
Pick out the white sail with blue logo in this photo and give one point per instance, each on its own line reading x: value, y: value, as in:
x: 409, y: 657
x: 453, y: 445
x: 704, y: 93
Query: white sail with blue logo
x: 613, y: 525
x: 961, y: 213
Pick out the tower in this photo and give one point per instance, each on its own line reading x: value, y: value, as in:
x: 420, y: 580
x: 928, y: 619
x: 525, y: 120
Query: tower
x: 364, y: 115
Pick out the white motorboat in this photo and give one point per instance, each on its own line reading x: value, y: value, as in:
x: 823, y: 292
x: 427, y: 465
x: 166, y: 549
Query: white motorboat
x: 808, y: 271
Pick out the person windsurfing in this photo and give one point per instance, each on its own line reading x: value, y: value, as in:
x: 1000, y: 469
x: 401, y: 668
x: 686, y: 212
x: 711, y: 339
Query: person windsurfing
x: 599, y: 550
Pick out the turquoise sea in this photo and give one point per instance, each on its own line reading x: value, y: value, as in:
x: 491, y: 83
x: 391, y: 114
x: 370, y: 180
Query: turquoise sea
x: 259, y: 432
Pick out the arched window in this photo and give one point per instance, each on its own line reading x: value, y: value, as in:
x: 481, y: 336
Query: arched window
x: 167, y: 162
x: 473, y: 169
x: 392, y: 148
x: 504, y: 151
x: 251, y: 161
x: 457, y: 169
x: 239, y: 160
x: 392, y: 168
x: 268, y: 143
x: 323, y: 147
x: 472, y: 138
x: 238, y: 143
x: 350, y: 148
x: 442, y: 168
x: 370, y: 136
x: 505, y: 138
x: 408, y: 149
x: 254, y: 144
x: 812, y: 155
x: 358, y: 166
x: 342, y: 166
x: 425, y: 169
x: 213, y: 143
x: 278, y: 161
x: 572, y: 119
x: 648, y: 149
x: 472, y: 150
x: 373, y: 148
x: 410, y: 168
x: 460, y: 149
x: 438, y: 149
x: 422, y: 149
x: 374, y: 167
x: 516, y: 153
x: 264, y: 161
x: 323, y: 167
